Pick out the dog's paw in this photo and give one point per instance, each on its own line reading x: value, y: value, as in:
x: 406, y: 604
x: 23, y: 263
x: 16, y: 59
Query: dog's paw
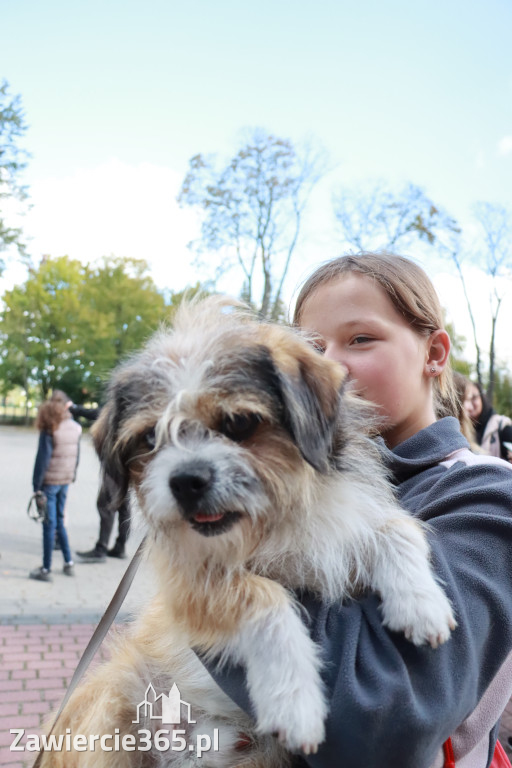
x: 425, y: 618
x: 306, y: 742
x: 306, y: 748
x: 301, y: 725
x: 434, y: 625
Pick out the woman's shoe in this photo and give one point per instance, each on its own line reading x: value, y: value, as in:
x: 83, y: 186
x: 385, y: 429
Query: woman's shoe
x: 40, y: 574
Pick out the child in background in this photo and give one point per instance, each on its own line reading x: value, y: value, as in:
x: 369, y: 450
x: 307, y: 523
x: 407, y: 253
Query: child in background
x: 54, y: 468
x: 492, y: 431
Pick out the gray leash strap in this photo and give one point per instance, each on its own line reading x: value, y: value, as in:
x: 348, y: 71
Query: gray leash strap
x: 99, y: 634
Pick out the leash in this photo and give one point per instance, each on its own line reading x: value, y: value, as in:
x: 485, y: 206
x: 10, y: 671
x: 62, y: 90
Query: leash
x: 99, y: 635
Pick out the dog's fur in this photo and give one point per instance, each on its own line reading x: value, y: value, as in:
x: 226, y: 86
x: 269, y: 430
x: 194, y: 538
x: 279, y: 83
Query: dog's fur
x: 255, y: 475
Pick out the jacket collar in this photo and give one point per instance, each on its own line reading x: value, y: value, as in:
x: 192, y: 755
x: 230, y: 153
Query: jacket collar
x: 423, y: 450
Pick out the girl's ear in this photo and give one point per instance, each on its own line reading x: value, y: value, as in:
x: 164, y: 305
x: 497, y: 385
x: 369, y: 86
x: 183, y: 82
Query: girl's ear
x: 438, y: 352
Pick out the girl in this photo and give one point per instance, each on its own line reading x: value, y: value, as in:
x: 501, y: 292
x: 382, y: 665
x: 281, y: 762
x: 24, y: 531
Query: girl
x: 492, y: 431
x: 466, y: 425
x: 55, y: 467
x: 392, y: 704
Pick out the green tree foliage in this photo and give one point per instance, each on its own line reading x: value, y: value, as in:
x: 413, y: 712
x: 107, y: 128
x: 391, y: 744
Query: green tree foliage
x: 252, y: 208
x: 197, y: 291
x: 40, y: 322
x: 12, y: 163
x: 125, y: 308
x: 503, y: 392
x: 69, y: 324
x: 459, y: 363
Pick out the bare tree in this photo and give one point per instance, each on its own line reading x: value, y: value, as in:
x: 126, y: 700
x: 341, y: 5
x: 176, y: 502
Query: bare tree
x: 490, y: 252
x: 252, y: 209
x: 376, y: 217
x: 455, y: 252
x: 494, y: 254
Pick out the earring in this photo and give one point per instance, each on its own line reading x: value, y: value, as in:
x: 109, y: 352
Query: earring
x: 433, y: 370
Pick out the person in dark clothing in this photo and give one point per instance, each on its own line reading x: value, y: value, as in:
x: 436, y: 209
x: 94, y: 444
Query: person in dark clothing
x: 492, y: 430
x: 106, y: 511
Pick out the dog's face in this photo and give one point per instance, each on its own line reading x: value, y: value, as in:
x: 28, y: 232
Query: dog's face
x: 220, y: 425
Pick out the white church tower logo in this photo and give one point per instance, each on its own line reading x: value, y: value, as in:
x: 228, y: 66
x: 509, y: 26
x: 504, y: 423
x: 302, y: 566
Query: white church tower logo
x: 170, y: 705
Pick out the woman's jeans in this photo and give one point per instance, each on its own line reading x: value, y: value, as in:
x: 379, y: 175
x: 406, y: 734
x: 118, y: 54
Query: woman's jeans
x: 56, y: 496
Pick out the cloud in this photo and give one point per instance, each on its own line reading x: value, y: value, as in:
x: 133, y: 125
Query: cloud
x: 505, y: 145
x: 119, y: 209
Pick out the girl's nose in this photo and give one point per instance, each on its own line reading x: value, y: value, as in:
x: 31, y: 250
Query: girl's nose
x: 333, y: 352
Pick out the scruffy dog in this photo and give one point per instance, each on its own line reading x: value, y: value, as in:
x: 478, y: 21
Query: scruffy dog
x: 255, y: 477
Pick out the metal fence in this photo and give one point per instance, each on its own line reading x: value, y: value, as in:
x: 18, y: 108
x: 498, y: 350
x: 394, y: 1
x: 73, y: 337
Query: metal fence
x: 17, y: 414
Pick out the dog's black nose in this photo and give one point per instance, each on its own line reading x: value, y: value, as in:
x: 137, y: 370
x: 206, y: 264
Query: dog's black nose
x: 190, y: 485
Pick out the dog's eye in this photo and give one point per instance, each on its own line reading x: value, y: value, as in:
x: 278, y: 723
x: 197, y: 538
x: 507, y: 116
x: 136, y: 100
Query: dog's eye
x: 318, y: 345
x: 240, y: 426
x: 150, y: 438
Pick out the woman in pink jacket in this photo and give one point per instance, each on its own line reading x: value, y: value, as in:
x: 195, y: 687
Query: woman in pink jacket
x: 55, y: 467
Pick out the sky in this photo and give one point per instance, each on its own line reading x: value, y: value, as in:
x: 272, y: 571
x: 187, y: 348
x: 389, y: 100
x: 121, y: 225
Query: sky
x: 119, y: 95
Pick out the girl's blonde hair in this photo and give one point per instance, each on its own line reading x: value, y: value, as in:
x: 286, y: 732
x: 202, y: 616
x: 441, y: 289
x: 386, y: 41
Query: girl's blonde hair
x: 411, y: 293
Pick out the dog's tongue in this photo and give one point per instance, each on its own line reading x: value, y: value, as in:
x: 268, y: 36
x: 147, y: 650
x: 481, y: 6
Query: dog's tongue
x: 201, y: 518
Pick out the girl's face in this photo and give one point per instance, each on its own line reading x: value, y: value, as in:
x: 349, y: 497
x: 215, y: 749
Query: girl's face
x: 387, y: 362
x: 472, y: 402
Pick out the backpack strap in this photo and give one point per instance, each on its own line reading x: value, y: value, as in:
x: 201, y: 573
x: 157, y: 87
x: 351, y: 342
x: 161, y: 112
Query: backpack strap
x: 449, y: 757
x: 499, y: 759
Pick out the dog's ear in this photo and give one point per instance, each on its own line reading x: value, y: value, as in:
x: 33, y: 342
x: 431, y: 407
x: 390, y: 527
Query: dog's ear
x: 114, y: 451
x: 310, y: 389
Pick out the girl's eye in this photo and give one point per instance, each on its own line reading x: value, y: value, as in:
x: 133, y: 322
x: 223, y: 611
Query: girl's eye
x: 150, y: 438
x: 361, y: 339
x: 240, y: 426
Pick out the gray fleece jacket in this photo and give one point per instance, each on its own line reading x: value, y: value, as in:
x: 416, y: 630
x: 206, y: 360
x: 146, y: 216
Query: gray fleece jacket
x: 392, y: 704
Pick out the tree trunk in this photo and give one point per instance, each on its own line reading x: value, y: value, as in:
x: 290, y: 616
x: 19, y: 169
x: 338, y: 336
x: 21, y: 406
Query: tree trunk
x: 472, y: 318
x: 492, y: 355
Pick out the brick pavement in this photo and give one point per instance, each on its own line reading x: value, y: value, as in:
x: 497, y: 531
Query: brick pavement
x: 37, y: 662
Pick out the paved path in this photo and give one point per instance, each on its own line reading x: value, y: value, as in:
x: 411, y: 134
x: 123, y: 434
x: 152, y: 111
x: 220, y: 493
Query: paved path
x: 37, y: 662
x: 45, y: 627
x: 82, y: 598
